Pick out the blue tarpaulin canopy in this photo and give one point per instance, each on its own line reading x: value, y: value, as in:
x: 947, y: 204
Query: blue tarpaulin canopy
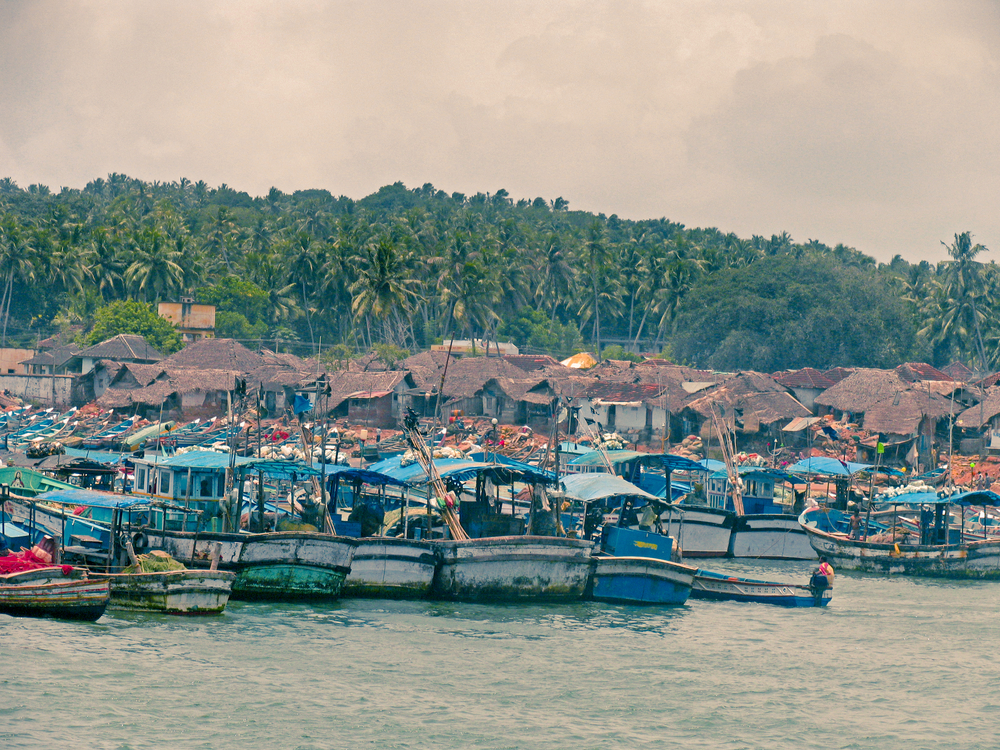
x: 824, y: 465
x: 93, y: 499
x: 279, y: 469
x: 590, y: 487
x: 368, y: 476
x: 760, y: 471
x: 975, y: 497
x: 459, y: 469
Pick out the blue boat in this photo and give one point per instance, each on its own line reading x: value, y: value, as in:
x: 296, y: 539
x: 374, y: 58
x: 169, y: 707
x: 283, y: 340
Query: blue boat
x: 709, y: 584
x: 635, y: 567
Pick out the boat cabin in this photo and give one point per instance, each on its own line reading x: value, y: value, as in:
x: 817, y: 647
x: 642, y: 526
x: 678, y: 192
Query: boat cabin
x: 758, y: 490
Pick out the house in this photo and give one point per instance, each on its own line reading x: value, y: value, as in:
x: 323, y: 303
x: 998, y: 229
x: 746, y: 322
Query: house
x: 194, y: 322
x: 806, y: 384
x: 632, y: 409
x: 124, y: 347
x: 475, y: 346
x: 749, y: 401
x: 59, y: 360
x: 12, y: 360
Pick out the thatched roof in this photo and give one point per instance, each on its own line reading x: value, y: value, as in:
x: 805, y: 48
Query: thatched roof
x: 836, y: 374
x: 862, y: 389
x: 901, y: 413
x: 467, y: 376
x: 767, y: 406
x: 976, y: 416
x: 622, y: 393
x: 226, y: 354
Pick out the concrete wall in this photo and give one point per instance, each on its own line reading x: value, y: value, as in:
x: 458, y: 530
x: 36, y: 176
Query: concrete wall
x: 46, y: 389
x: 10, y: 360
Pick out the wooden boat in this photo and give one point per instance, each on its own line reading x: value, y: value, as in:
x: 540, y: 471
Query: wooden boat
x: 951, y: 557
x: 281, y: 565
x: 390, y: 567
x: 50, y: 592
x: 703, y: 531
x: 723, y: 587
x: 172, y: 592
x: 512, y: 569
x: 636, y: 567
x: 770, y: 536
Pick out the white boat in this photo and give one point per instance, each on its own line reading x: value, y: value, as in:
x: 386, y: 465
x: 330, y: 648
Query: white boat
x: 512, y: 568
x: 173, y: 592
x: 702, y: 531
x: 391, y: 567
x: 770, y: 536
x: 53, y: 592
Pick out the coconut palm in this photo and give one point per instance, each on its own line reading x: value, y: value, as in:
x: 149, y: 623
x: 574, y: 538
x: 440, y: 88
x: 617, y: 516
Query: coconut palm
x: 154, y: 273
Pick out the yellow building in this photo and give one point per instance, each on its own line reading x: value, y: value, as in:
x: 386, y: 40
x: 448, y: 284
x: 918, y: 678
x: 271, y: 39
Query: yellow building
x: 195, y: 322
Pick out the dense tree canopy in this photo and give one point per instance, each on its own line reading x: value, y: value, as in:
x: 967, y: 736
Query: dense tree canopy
x: 408, y: 266
x: 129, y: 316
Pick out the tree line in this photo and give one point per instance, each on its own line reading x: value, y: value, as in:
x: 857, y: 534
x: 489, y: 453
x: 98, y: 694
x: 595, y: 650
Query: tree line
x: 409, y: 267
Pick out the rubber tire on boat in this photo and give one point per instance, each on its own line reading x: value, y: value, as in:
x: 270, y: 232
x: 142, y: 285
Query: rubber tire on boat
x: 140, y: 542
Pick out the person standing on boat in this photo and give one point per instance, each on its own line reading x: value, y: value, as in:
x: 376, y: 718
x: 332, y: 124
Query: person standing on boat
x: 855, y: 524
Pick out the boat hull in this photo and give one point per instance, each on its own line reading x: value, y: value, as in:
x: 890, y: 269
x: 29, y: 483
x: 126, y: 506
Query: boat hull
x: 47, y: 593
x: 703, y: 531
x: 281, y: 565
x: 512, y: 569
x: 969, y: 560
x: 770, y: 536
x: 640, y: 580
x: 717, y: 587
x: 391, y: 568
x: 174, y: 592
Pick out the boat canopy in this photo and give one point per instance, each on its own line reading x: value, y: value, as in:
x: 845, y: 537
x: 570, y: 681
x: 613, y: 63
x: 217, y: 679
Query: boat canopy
x: 499, y: 458
x: 94, y: 499
x: 590, y: 487
x: 667, y: 461
x: 975, y: 497
x: 350, y: 473
x: 834, y: 467
x: 460, y: 469
x: 777, y: 475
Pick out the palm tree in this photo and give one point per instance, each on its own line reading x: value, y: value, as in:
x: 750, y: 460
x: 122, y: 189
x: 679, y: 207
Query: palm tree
x: 382, y: 288
x: 17, y: 258
x: 154, y: 268
x: 964, y: 285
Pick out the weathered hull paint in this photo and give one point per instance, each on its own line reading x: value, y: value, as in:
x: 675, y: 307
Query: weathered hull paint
x: 640, y: 580
x: 175, y: 592
x: 761, y: 592
x: 703, y: 531
x: 47, y: 593
x: 770, y: 536
x: 281, y: 565
x: 969, y: 560
x: 391, y: 568
x: 512, y: 569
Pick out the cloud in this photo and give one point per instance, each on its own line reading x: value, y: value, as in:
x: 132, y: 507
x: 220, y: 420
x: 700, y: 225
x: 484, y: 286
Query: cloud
x: 858, y: 122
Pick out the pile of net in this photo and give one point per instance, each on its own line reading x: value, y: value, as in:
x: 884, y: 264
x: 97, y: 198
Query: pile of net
x: 155, y: 563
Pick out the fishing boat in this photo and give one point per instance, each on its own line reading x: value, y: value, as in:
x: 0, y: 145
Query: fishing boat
x: 278, y: 565
x: 53, y: 592
x: 512, y: 569
x: 770, y: 536
x: 723, y: 587
x: 951, y: 553
x: 392, y: 568
x: 636, y: 567
x: 172, y: 592
x: 703, y: 531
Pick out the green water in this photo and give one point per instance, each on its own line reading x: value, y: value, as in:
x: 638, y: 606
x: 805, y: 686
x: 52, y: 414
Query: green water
x: 891, y: 663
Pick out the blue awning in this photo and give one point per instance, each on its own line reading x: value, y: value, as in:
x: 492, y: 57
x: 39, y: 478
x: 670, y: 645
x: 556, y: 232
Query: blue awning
x: 590, y: 487
x: 975, y: 497
x: 368, y: 476
x: 93, y: 499
x: 766, y: 472
x: 824, y: 465
x: 459, y: 469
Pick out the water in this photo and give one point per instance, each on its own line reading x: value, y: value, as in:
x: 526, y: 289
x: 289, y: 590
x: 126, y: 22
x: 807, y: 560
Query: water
x: 891, y: 663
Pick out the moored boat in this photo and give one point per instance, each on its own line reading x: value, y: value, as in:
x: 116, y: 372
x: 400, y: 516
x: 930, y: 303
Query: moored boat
x: 53, y: 592
x: 951, y: 555
x: 637, y: 567
x: 723, y: 587
x: 512, y: 568
x: 281, y: 565
x: 172, y: 592
x: 390, y: 567
x: 770, y: 536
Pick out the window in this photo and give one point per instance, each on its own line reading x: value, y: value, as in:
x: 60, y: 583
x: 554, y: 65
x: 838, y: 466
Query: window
x: 164, y: 482
x: 140, y: 479
x: 205, y: 486
x: 221, y: 485
x: 181, y: 485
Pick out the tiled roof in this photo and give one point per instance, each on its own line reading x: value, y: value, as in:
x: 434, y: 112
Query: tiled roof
x: 958, y: 371
x: 124, y: 346
x: 912, y: 371
x: 807, y: 377
x: 837, y: 374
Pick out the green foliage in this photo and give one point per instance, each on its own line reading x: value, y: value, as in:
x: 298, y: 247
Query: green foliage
x: 130, y: 316
x: 391, y: 354
x: 783, y: 312
x: 338, y: 355
x: 617, y: 351
x: 234, y: 325
x: 235, y: 295
x: 532, y: 329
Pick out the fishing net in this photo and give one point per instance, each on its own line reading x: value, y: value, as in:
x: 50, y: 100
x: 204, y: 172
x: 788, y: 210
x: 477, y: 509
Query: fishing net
x: 155, y: 564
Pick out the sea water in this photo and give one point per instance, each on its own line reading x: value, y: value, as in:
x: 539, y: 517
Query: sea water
x: 891, y: 663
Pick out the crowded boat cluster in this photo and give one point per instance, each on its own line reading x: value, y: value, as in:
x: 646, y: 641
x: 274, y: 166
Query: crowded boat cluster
x: 606, y: 486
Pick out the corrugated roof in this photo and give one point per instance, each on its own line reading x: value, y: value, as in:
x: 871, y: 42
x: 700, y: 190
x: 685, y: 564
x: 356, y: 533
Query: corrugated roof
x: 807, y: 377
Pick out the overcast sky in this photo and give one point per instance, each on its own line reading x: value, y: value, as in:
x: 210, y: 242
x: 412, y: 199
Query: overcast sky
x: 872, y: 123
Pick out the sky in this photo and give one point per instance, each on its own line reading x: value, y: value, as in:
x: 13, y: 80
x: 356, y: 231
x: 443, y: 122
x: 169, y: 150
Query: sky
x: 873, y: 124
